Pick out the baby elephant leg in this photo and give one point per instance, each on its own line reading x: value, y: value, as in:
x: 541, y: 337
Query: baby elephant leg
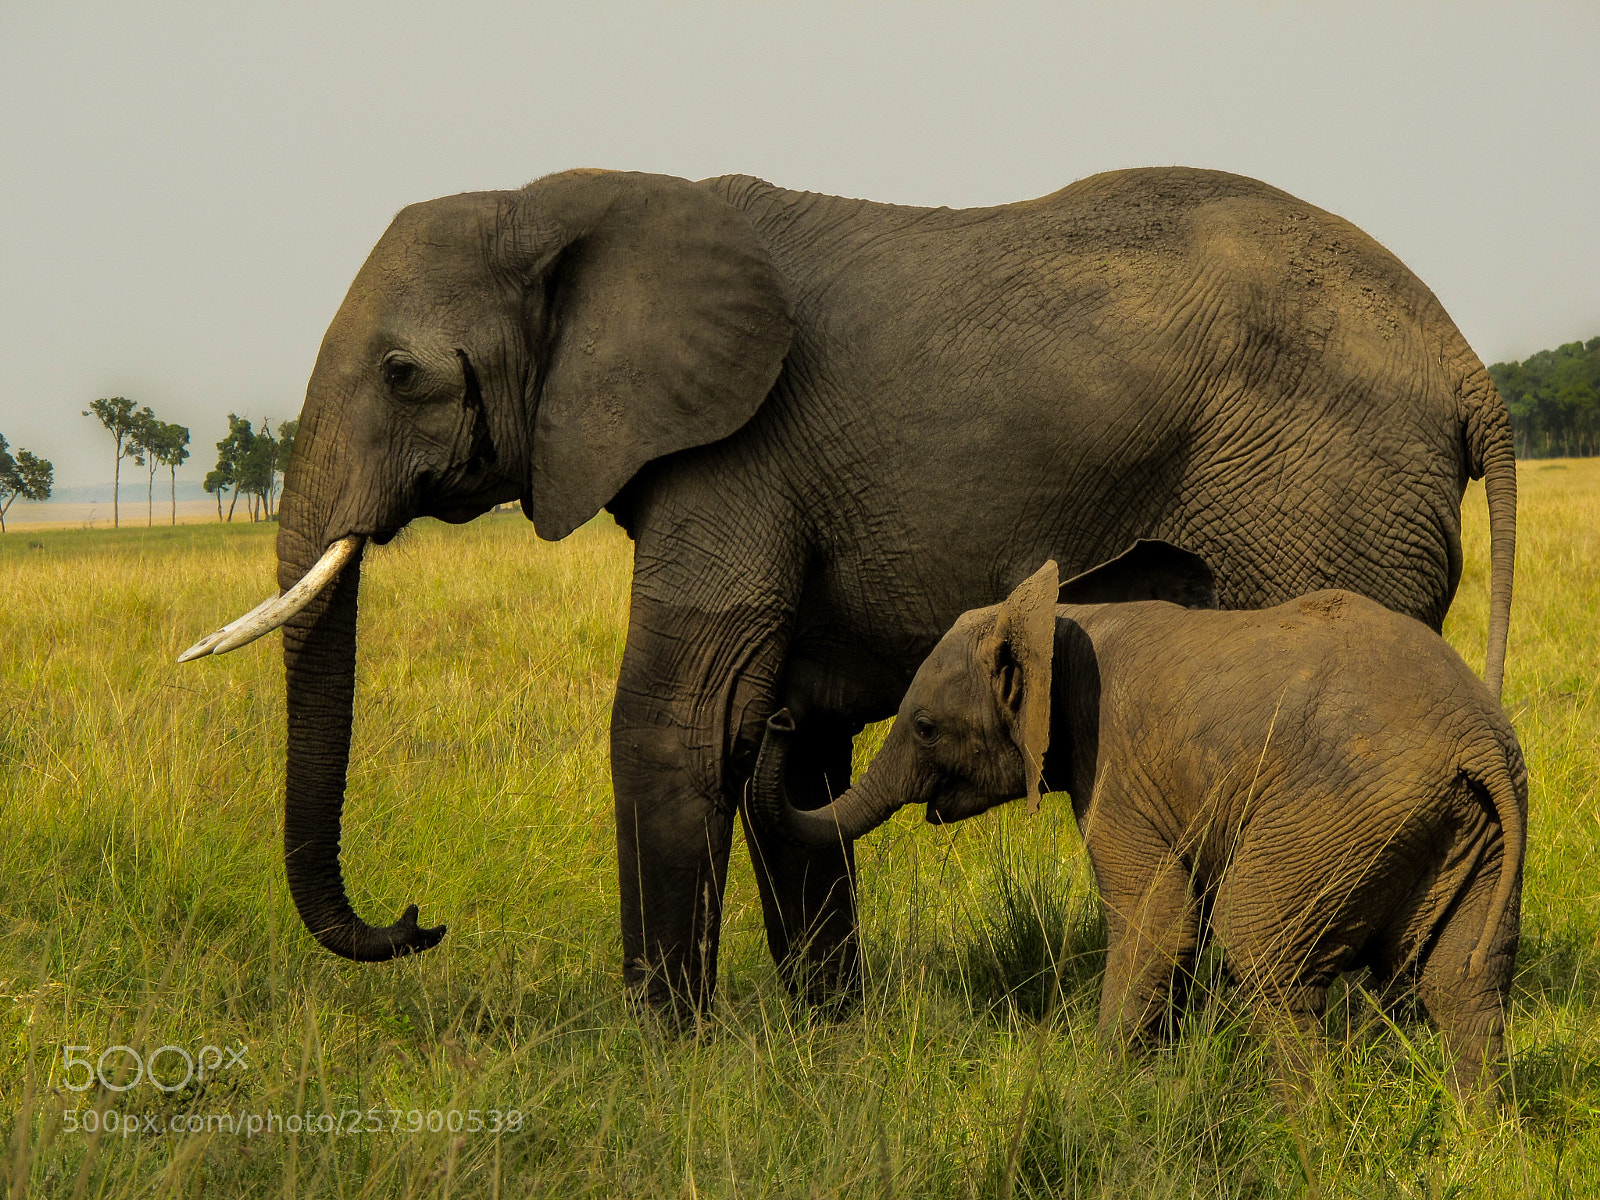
x: 1153, y: 923
x: 1288, y: 1019
x: 1285, y: 939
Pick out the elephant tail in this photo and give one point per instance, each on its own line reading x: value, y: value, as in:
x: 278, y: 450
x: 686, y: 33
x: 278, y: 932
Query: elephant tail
x: 1491, y: 455
x: 1505, y: 783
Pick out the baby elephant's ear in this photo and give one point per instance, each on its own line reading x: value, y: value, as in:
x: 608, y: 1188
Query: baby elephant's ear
x: 1026, y: 632
x: 1150, y: 569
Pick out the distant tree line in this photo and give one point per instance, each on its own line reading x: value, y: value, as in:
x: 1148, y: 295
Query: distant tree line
x: 26, y: 475
x: 251, y: 463
x: 151, y: 442
x: 1554, y: 400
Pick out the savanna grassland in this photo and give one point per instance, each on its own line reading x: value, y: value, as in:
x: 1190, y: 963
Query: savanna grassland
x: 142, y: 905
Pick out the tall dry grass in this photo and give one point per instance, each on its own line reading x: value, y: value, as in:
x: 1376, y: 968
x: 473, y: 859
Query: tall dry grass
x: 142, y: 900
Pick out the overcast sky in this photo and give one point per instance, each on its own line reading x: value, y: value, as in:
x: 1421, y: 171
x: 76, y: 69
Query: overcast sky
x: 187, y: 189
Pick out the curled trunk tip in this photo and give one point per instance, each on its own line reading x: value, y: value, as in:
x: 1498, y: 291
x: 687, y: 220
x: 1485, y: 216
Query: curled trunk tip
x: 858, y: 811
x: 360, y: 942
x: 769, y: 800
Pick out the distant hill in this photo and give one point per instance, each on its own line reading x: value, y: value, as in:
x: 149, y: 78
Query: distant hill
x: 1554, y: 399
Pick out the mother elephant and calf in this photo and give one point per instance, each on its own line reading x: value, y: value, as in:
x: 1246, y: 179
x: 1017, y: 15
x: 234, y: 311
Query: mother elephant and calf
x: 829, y: 427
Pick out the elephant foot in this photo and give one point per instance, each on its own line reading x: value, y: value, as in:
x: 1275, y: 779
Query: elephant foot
x: 674, y: 1008
x: 828, y: 983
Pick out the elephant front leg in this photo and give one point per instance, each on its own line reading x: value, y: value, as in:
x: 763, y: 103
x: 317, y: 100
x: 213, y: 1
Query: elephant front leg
x: 692, y: 679
x: 672, y: 861
x: 808, y: 897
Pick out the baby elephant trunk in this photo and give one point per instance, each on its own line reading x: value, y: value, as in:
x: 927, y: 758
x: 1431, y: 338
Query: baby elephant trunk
x: 858, y: 811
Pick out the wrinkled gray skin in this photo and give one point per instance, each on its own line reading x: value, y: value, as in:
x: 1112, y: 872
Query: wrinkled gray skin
x: 829, y: 427
x: 1324, y: 785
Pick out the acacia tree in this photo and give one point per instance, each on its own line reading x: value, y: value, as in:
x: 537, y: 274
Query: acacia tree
x: 173, y: 452
x: 276, y: 453
x: 262, y: 464
x: 251, y: 463
x: 154, y: 444
x: 144, y: 447
x: 26, y: 475
x: 117, y: 415
x: 218, y: 480
x: 231, y: 453
x: 257, y: 470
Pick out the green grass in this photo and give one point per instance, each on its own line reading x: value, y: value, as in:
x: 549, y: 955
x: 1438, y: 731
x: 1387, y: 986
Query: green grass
x: 142, y: 903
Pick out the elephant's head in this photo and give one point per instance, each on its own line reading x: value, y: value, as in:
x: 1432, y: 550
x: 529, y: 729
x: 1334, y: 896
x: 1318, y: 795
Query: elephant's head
x: 974, y: 726
x: 540, y: 344
x: 971, y: 732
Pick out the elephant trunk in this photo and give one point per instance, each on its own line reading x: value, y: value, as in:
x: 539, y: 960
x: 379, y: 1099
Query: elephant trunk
x: 858, y: 811
x: 319, y: 652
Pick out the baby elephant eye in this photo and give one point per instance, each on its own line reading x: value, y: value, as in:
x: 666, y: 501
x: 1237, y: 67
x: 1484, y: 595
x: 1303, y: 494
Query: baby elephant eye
x: 923, y: 726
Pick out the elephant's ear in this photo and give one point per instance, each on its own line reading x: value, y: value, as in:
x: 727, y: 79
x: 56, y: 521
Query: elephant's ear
x: 1021, y: 652
x: 1148, y: 570
x: 666, y: 325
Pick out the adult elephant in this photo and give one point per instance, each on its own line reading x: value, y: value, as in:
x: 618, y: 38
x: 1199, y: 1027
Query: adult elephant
x: 829, y: 427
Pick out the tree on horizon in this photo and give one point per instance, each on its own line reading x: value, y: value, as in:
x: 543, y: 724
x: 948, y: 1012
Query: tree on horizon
x: 117, y: 414
x: 156, y: 444
x: 27, y: 475
x: 173, y: 452
x: 251, y: 462
x: 144, y: 442
x: 257, y: 470
x: 231, y: 451
x: 218, y: 480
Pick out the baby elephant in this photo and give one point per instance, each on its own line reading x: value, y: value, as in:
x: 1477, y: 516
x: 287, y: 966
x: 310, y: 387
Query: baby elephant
x: 1323, y: 785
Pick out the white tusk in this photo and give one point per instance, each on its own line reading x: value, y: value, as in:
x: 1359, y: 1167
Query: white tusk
x: 203, y: 647
x: 273, y: 612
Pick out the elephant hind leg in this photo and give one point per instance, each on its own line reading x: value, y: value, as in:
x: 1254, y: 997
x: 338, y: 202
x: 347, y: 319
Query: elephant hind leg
x: 1154, y: 934
x: 1287, y: 1005
x: 1285, y: 941
x: 1469, y: 1008
x: 808, y: 899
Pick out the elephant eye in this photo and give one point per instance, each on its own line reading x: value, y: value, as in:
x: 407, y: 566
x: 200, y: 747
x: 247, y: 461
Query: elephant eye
x: 924, y: 727
x: 399, y: 374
